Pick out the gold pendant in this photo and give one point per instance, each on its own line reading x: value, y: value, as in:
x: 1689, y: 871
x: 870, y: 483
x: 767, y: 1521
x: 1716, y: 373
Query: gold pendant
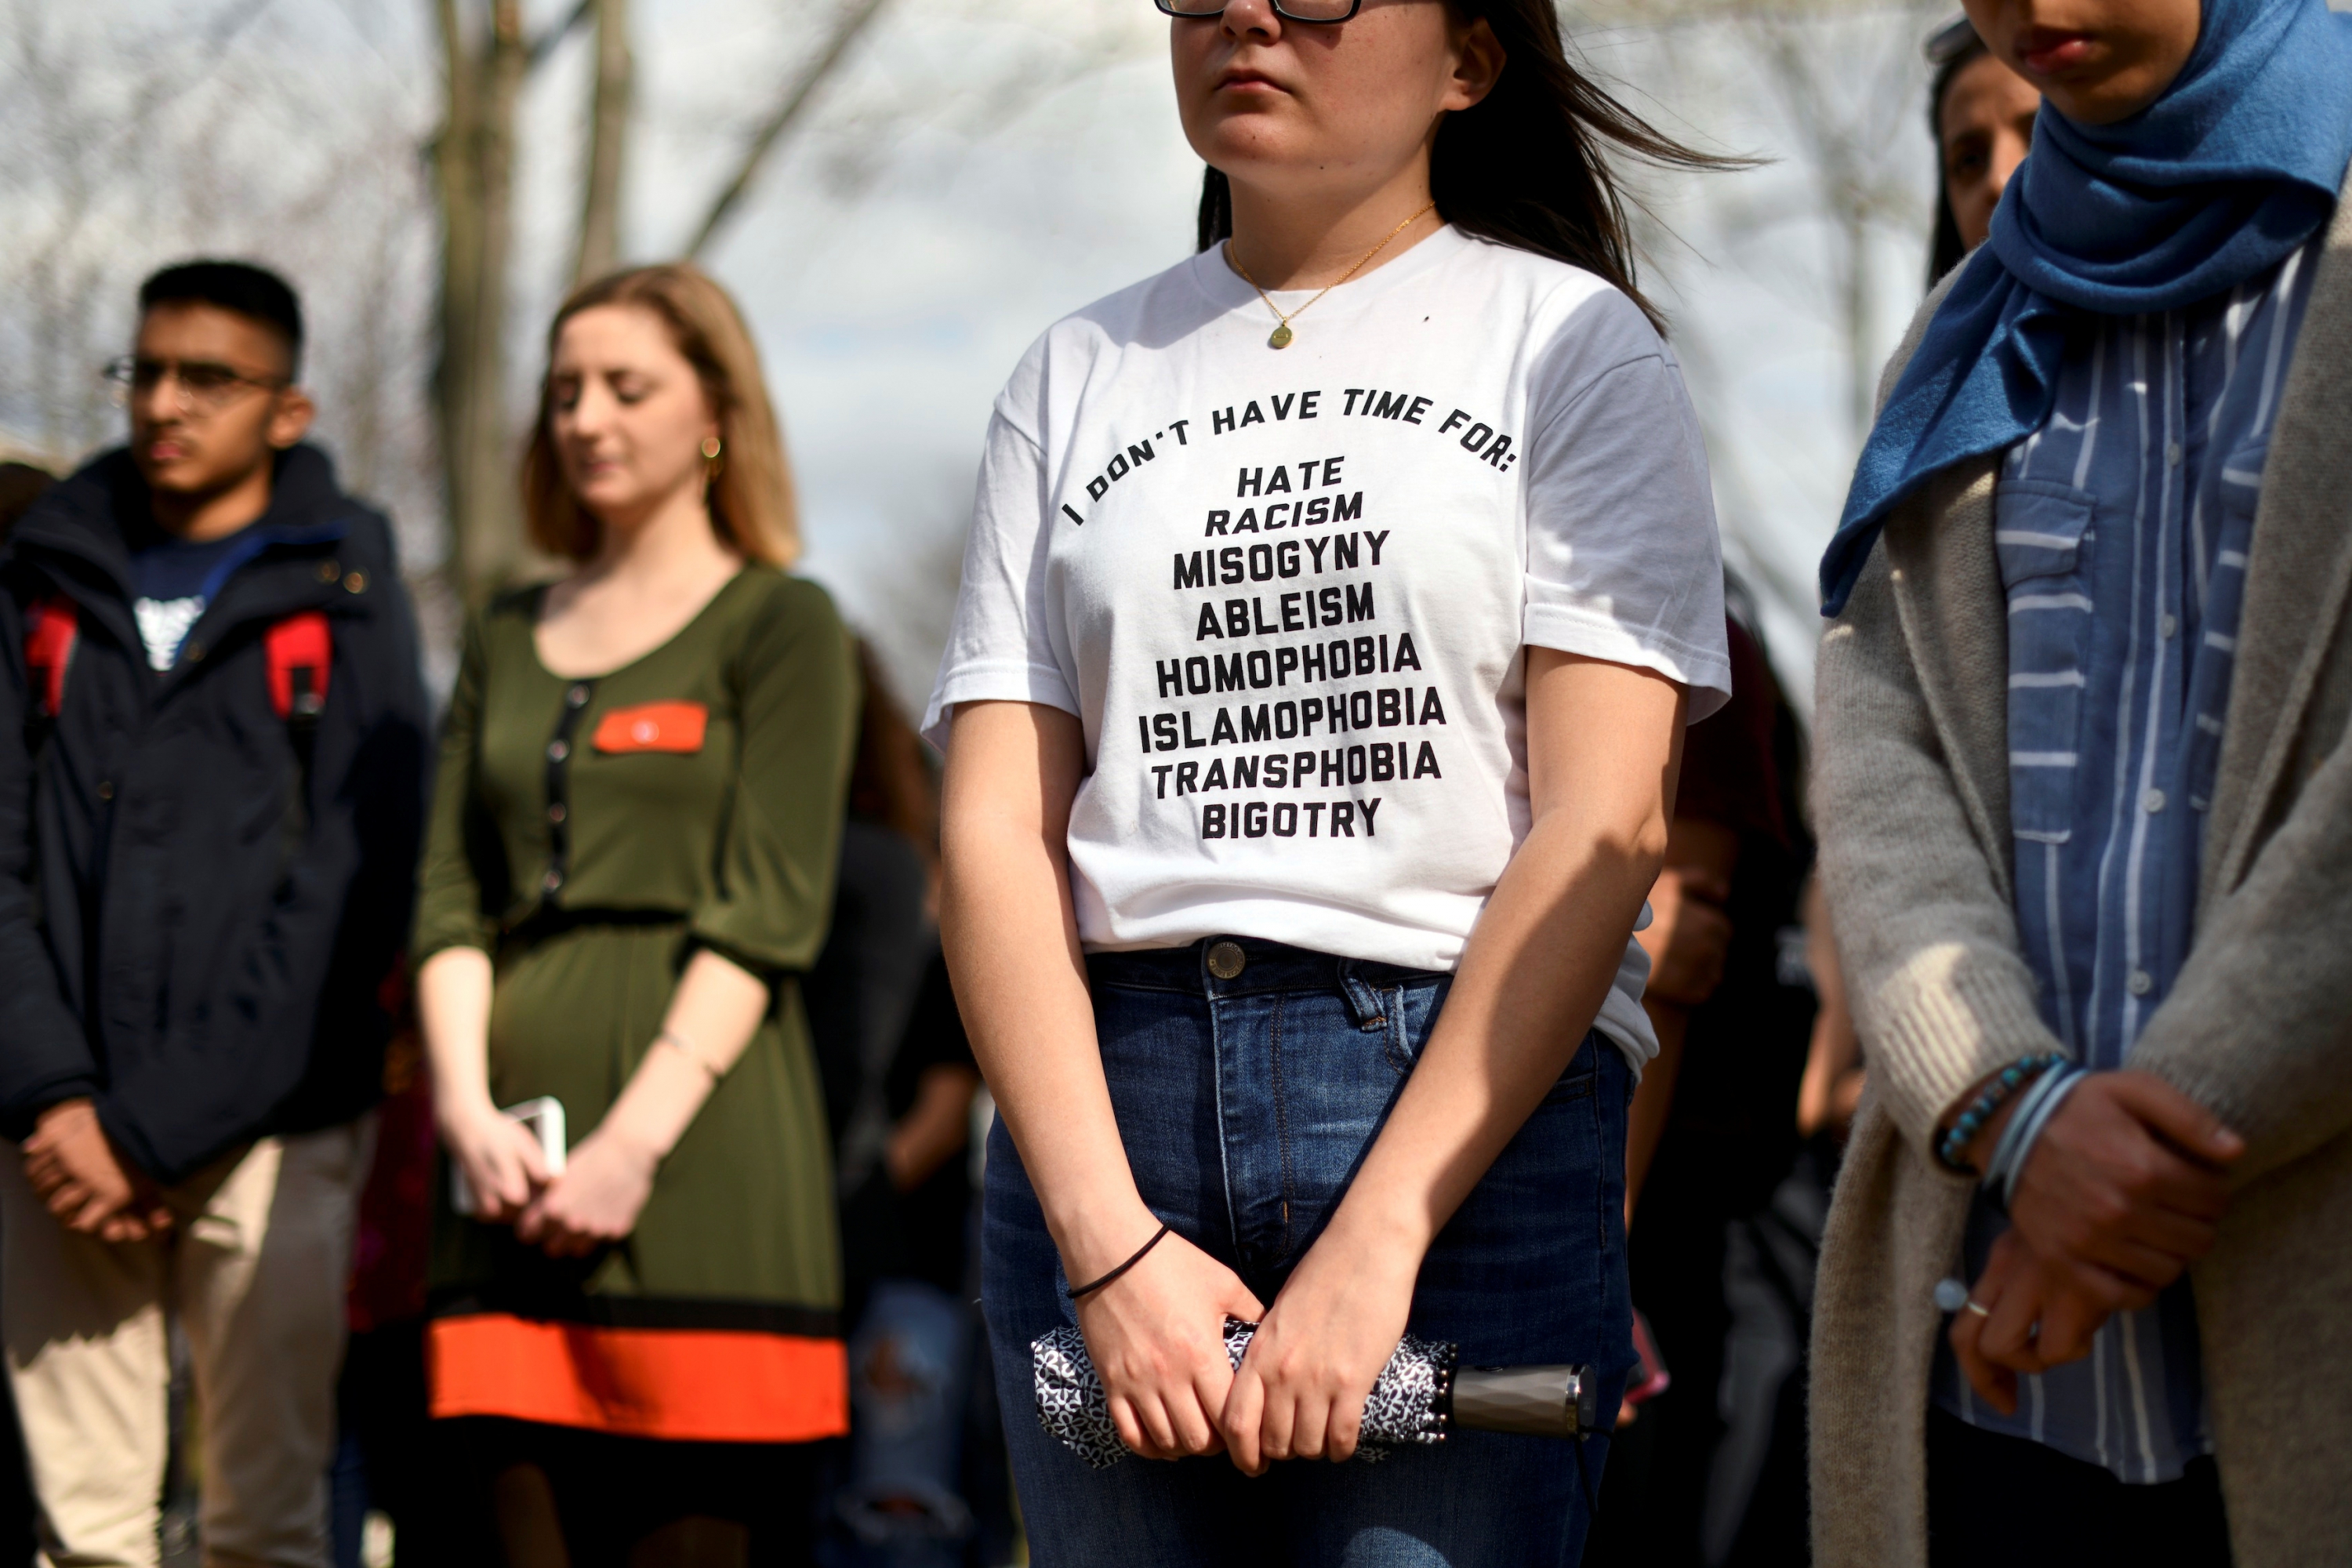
x: 1280, y: 337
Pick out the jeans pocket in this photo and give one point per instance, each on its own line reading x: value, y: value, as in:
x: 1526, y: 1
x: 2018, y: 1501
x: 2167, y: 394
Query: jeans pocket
x: 1411, y: 1009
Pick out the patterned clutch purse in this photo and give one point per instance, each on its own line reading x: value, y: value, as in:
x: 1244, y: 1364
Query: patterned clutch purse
x: 1412, y: 1403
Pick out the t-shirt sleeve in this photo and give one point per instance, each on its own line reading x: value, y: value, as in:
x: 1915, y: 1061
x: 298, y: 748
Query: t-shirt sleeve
x: 1001, y: 647
x: 1623, y: 561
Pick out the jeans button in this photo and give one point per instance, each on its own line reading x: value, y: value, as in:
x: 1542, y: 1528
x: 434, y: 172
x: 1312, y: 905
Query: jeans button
x: 1226, y: 960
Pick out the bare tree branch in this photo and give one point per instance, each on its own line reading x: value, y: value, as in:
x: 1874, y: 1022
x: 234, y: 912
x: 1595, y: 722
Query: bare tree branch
x: 545, y: 44
x: 844, y: 33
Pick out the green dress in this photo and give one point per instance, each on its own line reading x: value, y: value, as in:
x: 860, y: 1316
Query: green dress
x: 590, y: 835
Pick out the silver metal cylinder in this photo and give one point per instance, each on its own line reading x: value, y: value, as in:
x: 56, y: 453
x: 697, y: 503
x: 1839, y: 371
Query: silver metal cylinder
x: 1540, y: 1401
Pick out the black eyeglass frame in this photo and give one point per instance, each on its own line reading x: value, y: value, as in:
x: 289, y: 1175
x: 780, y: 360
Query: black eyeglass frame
x: 1168, y: 8
x: 200, y: 391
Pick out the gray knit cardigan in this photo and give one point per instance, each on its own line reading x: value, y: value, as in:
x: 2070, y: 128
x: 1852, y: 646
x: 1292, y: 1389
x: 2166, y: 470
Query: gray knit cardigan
x: 1912, y: 795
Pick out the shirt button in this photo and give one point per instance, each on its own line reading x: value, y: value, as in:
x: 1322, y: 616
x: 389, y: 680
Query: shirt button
x: 557, y: 751
x: 2168, y: 626
x: 105, y: 789
x: 552, y: 881
x: 1226, y: 960
x: 354, y: 582
x: 2153, y: 801
x: 2140, y: 984
x: 577, y: 697
x: 556, y: 813
x: 2172, y: 453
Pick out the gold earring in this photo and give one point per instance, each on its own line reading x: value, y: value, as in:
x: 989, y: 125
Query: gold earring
x: 711, y: 447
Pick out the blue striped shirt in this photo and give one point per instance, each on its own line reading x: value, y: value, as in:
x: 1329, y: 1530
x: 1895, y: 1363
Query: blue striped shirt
x: 2122, y: 528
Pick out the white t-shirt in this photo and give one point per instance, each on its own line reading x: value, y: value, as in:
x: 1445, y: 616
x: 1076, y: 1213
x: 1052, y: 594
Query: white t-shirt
x: 1286, y: 592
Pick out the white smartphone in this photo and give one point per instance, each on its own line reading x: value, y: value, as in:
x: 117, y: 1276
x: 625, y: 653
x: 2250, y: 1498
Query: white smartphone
x: 542, y: 1118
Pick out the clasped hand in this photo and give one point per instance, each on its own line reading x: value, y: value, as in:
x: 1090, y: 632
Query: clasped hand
x: 595, y: 1202
x: 2124, y: 1190
x: 1156, y: 1336
x: 74, y: 1168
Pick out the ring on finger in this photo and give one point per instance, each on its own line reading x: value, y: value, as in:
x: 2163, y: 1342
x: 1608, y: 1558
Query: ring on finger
x: 1978, y: 1308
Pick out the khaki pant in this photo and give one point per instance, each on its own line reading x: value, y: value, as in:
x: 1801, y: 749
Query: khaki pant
x: 254, y: 1270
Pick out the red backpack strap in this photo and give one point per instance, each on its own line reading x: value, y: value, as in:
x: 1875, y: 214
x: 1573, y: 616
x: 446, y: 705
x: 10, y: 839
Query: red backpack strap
x: 301, y: 654
x: 52, y: 627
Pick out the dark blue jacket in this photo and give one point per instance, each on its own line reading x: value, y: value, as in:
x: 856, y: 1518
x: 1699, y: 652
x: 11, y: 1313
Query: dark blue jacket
x: 195, y: 927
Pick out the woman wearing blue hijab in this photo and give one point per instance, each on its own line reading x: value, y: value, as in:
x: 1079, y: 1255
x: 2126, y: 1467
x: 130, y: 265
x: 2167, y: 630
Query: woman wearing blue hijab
x: 2087, y: 796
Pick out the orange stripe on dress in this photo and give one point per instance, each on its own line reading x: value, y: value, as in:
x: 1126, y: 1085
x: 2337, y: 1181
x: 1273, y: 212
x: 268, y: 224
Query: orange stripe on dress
x: 653, y: 727
x: 695, y: 1385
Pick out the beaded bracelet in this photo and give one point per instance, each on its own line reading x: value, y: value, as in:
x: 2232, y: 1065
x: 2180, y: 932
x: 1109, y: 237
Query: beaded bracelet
x: 2034, y: 1112
x: 1996, y: 1094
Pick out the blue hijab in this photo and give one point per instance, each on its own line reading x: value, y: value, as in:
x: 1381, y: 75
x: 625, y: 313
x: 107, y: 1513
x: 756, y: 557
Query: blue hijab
x: 2236, y: 165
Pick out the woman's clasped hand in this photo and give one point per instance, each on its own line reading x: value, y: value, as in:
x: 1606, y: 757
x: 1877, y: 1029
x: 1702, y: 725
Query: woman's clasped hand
x: 1156, y: 1337
x: 1300, y: 1392
x: 598, y: 1197
x: 501, y: 1158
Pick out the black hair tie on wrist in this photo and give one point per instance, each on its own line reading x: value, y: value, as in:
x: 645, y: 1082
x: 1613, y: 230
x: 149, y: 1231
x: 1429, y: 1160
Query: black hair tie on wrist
x: 1147, y: 1246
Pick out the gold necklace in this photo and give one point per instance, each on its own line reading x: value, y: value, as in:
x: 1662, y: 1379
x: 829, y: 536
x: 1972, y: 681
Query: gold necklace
x: 1280, y: 338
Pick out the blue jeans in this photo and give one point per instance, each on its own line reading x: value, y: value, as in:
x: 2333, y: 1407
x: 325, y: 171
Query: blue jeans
x: 910, y: 1363
x: 1246, y: 1106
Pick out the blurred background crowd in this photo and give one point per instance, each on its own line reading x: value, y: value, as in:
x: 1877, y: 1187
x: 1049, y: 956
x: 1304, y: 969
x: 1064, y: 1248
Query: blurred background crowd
x: 900, y: 193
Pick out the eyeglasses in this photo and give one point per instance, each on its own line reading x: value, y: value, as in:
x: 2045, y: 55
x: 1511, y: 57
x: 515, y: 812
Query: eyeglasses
x: 1950, y: 41
x: 1288, y: 10
x: 205, y: 385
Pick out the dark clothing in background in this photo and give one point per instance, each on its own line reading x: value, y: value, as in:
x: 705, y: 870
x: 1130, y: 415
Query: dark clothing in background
x: 1733, y: 1130
x: 1992, y: 1498
x: 196, y: 921
x: 1729, y: 1140
x: 858, y: 993
x: 932, y: 1216
x: 918, y: 1234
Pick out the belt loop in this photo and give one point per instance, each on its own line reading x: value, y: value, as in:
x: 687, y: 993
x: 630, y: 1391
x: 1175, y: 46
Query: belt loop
x: 1364, y: 1004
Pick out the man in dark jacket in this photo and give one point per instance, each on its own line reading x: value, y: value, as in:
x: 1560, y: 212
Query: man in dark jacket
x: 212, y: 756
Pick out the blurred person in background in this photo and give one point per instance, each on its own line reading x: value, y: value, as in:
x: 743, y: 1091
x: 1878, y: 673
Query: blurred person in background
x: 631, y: 854
x: 21, y: 484
x: 885, y: 929
x: 899, y: 1084
x: 1714, y: 1140
x: 211, y: 791
x: 2086, y: 802
x: 1980, y: 115
x: 911, y: 1356
x: 1251, y: 1058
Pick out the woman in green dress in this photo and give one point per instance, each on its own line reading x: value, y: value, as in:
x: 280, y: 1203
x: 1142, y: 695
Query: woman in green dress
x: 631, y: 852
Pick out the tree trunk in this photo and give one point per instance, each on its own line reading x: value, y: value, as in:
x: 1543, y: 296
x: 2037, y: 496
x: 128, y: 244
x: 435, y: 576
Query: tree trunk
x: 608, y: 137
x: 474, y: 158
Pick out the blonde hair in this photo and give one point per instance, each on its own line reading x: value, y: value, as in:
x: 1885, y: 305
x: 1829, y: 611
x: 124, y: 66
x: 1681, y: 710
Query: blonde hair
x: 751, y: 500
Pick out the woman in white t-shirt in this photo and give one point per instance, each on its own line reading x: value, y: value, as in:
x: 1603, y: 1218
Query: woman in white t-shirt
x: 1313, y: 708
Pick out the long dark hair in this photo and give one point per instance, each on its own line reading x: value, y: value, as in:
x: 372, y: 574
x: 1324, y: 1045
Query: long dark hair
x: 1527, y: 167
x: 1948, y: 252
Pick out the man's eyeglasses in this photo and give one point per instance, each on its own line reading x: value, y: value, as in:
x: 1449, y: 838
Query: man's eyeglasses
x: 203, y: 385
x: 1288, y: 10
